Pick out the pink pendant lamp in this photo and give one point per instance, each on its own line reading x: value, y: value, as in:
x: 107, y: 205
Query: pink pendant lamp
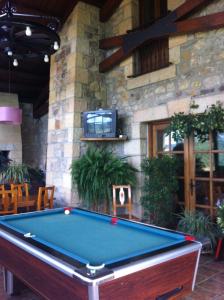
x: 10, y: 115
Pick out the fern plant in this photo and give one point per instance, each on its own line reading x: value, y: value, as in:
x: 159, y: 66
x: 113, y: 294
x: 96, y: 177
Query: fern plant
x: 197, y: 224
x: 220, y: 217
x: 159, y: 189
x: 95, y: 173
x: 15, y: 173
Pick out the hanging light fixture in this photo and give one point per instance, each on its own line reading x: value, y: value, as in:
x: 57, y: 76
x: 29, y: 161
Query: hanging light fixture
x: 26, y: 36
x: 10, y: 115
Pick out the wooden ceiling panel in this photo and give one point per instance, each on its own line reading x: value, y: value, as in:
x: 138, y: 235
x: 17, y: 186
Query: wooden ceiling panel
x: 30, y: 80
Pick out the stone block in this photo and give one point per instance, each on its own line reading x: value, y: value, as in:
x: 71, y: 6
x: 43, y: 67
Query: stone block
x: 138, y: 130
x: 77, y: 119
x: 70, y: 90
x: 68, y: 149
x: 67, y: 181
x: 153, y: 77
x: 69, y: 120
x: 76, y: 150
x: 151, y: 114
x: 174, y: 54
x: 173, y: 4
x: 177, y: 41
x: 124, y: 26
x: 82, y: 75
x: 181, y: 105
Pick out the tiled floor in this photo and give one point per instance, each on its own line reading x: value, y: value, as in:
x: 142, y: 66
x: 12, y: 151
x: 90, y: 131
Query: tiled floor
x: 209, y: 284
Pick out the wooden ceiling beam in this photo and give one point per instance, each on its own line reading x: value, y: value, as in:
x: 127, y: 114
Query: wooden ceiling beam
x: 108, y: 9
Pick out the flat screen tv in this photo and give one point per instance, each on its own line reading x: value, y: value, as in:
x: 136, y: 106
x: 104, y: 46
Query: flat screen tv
x: 100, y: 123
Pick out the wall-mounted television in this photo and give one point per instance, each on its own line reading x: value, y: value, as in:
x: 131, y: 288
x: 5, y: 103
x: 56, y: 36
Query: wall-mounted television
x: 100, y: 123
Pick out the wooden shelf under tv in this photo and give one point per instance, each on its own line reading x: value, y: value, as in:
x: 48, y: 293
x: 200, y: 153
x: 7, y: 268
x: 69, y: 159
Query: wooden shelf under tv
x: 124, y: 138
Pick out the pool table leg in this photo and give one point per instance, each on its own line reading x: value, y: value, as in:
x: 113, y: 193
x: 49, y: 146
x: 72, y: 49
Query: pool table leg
x: 8, y: 282
x: 93, y: 292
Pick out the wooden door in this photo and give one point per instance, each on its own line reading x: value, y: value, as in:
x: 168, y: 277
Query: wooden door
x: 207, y: 173
x: 200, y: 167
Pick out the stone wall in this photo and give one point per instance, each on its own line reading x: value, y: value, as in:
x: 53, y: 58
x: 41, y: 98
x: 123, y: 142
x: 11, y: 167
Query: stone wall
x: 75, y: 85
x: 34, y: 138
x: 10, y: 135
x: 195, y: 72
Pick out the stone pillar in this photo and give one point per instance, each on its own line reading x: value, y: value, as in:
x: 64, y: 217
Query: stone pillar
x: 75, y: 85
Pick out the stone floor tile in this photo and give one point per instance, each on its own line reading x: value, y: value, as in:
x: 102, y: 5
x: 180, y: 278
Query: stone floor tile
x: 214, y: 286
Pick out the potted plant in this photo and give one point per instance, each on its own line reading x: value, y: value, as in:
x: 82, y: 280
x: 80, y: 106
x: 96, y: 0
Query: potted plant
x: 200, y: 226
x: 15, y: 173
x: 95, y: 173
x: 183, y: 125
x: 4, y: 162
x: 160, y: 186
x: 220, y: 217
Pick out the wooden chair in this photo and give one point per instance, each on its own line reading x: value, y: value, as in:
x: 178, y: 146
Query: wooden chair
x: 8, y: 202
x: 45, y: 197
x: 2, y: 188
x: 126, y: 203
x: 24, y: 199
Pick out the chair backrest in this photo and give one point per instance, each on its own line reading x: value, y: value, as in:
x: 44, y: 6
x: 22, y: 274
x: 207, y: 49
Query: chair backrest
x: 2, y: 187
x: 21, y: 189
x: 122, y: 200
x: 45, y: 197
x: 8, y: 202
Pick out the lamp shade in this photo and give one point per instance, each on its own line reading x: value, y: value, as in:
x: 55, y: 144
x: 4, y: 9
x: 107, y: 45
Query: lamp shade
x: 10, y: 115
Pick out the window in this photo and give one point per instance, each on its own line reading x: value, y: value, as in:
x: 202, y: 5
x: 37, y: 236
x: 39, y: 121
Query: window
x: 152, y: 55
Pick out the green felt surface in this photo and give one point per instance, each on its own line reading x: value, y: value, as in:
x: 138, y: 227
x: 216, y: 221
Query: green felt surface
x: 97, y: 241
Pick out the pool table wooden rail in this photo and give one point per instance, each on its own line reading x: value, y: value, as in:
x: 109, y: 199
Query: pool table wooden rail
x: 144, y: 284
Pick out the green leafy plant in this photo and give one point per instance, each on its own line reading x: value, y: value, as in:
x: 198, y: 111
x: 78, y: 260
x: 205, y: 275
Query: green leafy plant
x: 4, y: 162
x: 95, y: 173
x: 197, y: 224
x: 15, y: 173
x: 220, y: 217
x: 159, y: 189
x: 183, y: 125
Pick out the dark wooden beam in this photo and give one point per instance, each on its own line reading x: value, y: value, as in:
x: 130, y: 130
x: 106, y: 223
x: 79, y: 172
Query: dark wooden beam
x: 166, y: 26
x: 209, y: 22
x: 41, y: 110
x: 43, y: 97
x: 108, y: 9
x: 22, y: 77
x: 19, y: 88
x: 113, y: 42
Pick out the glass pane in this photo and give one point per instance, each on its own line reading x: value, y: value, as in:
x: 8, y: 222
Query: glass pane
x: 218, y: 193
x: 218, y: 165
x: 218, y: 141
x: 180, y: 164
x: 162, y: 141
x: 202, y: 165
x: 198, y: 146
x: 205, y: 211
x: 202, y: 192
x: 177, y: 146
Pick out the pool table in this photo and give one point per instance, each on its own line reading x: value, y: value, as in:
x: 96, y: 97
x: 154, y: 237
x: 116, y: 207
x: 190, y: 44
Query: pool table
x: 78, y: 254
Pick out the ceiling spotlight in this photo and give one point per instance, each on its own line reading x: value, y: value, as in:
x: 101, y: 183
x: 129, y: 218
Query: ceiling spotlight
x: 28, y: 31
x: 56, y: 46
x: 9, y: 53
x: 46, y: 58
x: 15, y: 62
